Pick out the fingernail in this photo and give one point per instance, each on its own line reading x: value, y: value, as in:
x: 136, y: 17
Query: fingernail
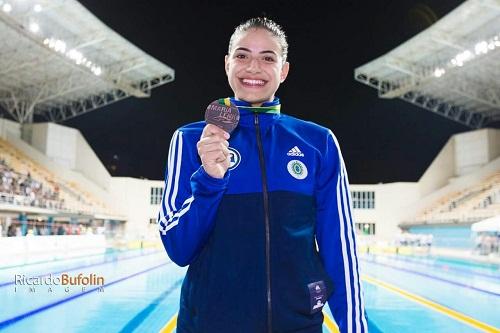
x: 226, y: 135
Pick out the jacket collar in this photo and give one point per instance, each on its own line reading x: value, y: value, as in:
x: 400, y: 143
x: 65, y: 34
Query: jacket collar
x: 267, y: 113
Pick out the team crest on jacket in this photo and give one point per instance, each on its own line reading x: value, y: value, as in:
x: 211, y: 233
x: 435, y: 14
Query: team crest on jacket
x: 234, y: 158
x: 297, y: 169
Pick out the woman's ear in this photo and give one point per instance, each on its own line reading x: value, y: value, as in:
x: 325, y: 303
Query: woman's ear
x: 226, y: 64
x: 284, y: 71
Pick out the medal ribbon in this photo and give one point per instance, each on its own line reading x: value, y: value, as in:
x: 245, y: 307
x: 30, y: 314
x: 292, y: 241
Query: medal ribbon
x: 273, y: 107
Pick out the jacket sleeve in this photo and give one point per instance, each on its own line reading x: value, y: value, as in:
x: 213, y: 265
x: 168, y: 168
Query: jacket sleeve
x: 189, y: 202
x: 336, y: 239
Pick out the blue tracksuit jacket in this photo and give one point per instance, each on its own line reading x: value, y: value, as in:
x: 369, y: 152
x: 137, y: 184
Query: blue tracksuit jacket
x: 273, y: 240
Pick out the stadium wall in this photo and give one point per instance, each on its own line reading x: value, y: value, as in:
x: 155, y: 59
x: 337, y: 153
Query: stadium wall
x: 391, y: 201
x: 133, y: 198
x: 32, y: 249
x: 441, y: 169
x: 494, y: 144
x: 474, y: 149
x: 9, y: 128
x: 465, y: 160
x: 68, y: 147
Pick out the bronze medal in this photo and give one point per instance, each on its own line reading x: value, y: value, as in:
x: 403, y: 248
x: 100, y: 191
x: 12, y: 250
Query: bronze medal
x: 223, y: 116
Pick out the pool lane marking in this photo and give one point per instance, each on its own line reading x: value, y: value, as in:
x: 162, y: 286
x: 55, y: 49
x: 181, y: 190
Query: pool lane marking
x: 22, y: 316
x: 172, y: 324
x: 330, y: 324
x: 460, y: 284
x: 433, y: 305
x: 64, y: 259
x: 443, y: 267
x: 5, y: 284
x: 138, y: 319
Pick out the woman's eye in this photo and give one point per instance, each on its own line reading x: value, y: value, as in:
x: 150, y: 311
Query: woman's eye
x: 269, y: 59
x: 240, y: 56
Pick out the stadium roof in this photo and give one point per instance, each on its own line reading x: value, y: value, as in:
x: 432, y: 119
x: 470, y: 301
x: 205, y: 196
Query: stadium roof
x: 452, y: 68
x: 57, y: 60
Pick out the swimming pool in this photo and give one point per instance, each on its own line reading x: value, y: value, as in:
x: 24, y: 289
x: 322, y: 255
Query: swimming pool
x: 405, y: 293
x: 141, y: 291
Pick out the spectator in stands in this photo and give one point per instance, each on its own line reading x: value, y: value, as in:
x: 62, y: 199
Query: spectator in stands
x: 487, y: 243
x: 478, y: 243
x: 496, y: 243
x: 60, y: 230
x: 23, y: 189
x: 490, y: 243
x: 11, y: 231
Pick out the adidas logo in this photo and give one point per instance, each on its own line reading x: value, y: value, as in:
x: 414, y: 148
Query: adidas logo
x: 295, y: 151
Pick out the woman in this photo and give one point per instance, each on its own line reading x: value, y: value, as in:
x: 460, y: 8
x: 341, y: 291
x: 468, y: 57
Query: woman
x: 262, y: 216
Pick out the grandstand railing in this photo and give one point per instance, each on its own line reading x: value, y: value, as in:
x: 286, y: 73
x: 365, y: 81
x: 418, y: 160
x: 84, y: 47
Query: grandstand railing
x: 28, y: 201
x: 24, y: 200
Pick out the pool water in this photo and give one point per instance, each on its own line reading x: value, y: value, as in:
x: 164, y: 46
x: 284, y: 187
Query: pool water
x: 142, y: 287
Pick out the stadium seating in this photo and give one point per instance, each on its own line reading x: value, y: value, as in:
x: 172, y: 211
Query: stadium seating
x: 472, y: 204
x: 41, y: 188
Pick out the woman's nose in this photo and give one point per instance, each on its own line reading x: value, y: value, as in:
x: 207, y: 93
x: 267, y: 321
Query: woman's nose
x: 253, y: 66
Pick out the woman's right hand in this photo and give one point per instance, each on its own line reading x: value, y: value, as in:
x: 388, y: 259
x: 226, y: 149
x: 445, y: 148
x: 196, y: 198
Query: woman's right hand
x: 213, y: 151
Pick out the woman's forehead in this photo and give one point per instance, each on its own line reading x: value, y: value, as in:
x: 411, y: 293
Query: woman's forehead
x: 257, y: 39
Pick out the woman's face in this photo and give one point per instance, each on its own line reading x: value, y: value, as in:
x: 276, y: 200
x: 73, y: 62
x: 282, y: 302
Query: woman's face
x: 254, y: 66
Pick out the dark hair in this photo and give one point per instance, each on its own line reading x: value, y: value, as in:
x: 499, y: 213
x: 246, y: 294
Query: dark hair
x: 262, y: 23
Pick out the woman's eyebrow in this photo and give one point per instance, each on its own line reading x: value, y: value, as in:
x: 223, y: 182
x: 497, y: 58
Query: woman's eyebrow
x: 243, y: 49
x: 250, y: 51
x: 269, y: 51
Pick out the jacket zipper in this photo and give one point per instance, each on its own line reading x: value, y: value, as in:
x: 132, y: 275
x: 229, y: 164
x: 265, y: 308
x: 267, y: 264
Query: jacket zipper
x: 266, y: 220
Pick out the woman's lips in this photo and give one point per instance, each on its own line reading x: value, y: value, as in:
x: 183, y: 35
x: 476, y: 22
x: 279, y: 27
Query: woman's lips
x: 253, y: 82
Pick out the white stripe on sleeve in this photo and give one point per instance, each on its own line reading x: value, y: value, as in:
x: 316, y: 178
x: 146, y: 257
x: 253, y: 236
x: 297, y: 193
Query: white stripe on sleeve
x: 343, y: 183
x: 347, y: 277
x: 170, y: 170
x: 178, y: 172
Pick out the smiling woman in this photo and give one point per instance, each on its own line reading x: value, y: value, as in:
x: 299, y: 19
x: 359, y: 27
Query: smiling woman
x: 245, y: 210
